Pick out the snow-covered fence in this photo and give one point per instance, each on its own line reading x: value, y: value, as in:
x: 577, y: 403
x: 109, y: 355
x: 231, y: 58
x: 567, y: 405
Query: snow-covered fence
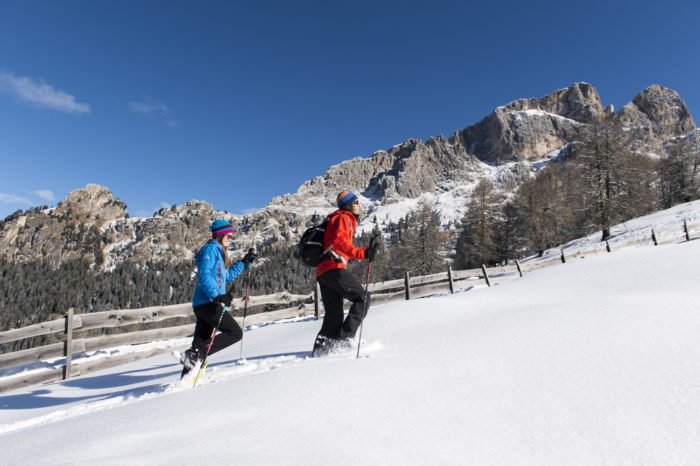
x: 648, y: 236
x: 448, y: 281
x: 67, y: 327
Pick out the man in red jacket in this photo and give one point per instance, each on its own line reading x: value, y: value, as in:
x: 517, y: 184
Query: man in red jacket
x: 336, y: 282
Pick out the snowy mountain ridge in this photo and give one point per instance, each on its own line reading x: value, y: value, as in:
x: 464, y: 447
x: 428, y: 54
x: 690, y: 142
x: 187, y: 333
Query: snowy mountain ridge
x: 506, y: 147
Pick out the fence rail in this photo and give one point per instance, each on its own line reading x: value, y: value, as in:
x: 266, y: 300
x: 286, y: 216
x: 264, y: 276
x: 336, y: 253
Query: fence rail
x: 306, y: 305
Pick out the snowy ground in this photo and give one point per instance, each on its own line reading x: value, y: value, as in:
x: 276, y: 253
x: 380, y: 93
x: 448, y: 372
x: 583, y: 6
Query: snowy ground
x: 589, y: 362
x: 667, y: 225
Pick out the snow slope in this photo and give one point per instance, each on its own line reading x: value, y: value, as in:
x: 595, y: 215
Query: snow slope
x: 589, y: 362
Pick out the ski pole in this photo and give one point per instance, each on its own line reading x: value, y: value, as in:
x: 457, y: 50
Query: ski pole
x: 364, y: 309
x: 211, y: 343
x: 245, y: 308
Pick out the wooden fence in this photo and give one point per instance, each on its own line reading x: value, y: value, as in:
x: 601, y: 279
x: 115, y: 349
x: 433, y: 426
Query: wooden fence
x: 70, y: 329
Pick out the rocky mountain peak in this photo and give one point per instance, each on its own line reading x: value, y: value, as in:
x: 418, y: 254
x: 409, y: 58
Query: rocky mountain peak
x: 530, y: 129
x: 656, y: 115
x: 666, y: 111
x: 92, y: 204
x: 579, y: 102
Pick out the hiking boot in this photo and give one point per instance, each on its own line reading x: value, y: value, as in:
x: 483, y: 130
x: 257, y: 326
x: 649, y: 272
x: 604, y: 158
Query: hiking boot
x: 321, y: 346
x: 189, y: 358
x: 342, y: 345
x: 324, y: 346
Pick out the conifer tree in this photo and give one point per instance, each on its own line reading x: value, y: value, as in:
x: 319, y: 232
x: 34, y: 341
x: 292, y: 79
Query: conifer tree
x: 679, y: 175
x: 476, y: 242
x: 612, y: 177
x: 544, y: 211
x: 420, y: 245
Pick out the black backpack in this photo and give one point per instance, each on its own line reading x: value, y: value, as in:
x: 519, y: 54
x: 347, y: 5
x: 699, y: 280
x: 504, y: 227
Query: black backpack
x: 311, y: 244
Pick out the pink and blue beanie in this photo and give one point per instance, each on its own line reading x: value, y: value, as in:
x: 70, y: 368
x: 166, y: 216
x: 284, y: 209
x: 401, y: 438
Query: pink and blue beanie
x: 221, y: 227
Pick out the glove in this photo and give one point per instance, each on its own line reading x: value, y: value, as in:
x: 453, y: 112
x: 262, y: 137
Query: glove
x: 250, y: 256
x: 224, y: 299
x: 371, y: 250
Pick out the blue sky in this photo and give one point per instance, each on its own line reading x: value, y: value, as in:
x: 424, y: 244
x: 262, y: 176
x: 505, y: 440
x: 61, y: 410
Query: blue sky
x: 236, y: 102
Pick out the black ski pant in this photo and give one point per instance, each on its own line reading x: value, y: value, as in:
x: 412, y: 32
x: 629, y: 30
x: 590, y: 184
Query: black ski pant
x: 207, y: 317
x: 336, y: 285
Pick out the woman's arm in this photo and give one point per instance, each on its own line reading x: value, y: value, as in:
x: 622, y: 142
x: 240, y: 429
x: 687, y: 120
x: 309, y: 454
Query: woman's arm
x: 234, y: 271
x: 343, y: 242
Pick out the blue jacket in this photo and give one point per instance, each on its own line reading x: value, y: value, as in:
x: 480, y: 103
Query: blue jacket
x: 212, y: 275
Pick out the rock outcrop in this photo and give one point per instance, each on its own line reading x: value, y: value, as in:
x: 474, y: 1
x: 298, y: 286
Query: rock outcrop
x: 91, y: 225
x: 654, y: 116
x: 528, y: 129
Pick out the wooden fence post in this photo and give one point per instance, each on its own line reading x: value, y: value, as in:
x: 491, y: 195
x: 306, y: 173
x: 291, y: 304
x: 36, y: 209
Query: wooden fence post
x: 486, y: 275
x: 653, y: 237
x: 685, y: 227
x: 517, y: 264
x: 407, y: 284
x: 317, y: 300
x: 68, y: 345
x: 607, y: 246
x: 563, y: 258
x: 449, y: 276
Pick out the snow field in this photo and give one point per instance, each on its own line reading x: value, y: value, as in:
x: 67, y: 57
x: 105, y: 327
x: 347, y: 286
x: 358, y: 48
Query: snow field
x: 589, y: 362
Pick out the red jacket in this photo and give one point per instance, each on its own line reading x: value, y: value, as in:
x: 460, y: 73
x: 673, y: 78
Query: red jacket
x: 338, y: 241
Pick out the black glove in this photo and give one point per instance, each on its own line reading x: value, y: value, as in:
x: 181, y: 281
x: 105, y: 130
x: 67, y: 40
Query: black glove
x: 249, y: 257
x: 370, y: 253
x: 224, y: 299
x: 371, y: 250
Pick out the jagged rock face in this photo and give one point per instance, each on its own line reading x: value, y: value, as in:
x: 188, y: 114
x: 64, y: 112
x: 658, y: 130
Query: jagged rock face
x: 92, y: 205
x: 68, y: 232
x: 406, y: 170
x: 689, y: 144
x: 93, y: 226
x: 509, y: 136
x: 579, y: 102
x: 422, y: 167
x: 352, y: 175
x: 528, y: 129
x: 655, y: 116
x: 173, y: 234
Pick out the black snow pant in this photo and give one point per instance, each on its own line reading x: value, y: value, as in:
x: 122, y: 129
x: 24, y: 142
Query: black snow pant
x: 336, y: 285
x: 207, y: 317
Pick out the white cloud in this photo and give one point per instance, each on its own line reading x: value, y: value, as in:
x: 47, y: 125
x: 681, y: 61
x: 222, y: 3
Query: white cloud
x: 40, y: 94
x: 12, y: 199
x: 44, y: 194
x: 149, y: 108
x: 153, y: 109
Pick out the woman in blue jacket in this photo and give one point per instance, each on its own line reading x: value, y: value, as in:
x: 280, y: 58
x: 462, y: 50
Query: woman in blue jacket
x: 214, y: 271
